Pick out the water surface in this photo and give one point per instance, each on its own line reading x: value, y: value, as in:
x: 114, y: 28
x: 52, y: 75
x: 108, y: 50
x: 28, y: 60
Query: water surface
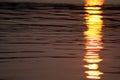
x: 47, y: 42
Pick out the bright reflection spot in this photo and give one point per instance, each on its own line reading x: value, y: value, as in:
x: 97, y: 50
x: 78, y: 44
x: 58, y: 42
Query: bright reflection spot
x: 88, y: 8
x: 93, y: 74
x: 92, y: 66
x: 93, y: 37
x: 94, y: 2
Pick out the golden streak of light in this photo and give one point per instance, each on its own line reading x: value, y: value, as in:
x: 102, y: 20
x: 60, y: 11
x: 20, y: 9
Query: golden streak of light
x: 94, y: 73
x: 94, y: 2
x: 93, y: 60
x: 91, y: 8
x: 92, y: 57
x: 93, y: 42
x: 93, y: 77
x: 93, y: 37
x: 94, y: 48
x: 92, y: 66
x: 93, y: 23
x: 91, y: 54
x: 94, y: 12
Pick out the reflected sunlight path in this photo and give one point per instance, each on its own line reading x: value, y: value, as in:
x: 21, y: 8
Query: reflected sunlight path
x: 93, y: 38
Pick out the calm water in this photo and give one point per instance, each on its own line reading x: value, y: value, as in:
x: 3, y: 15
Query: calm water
x: 51, y: 42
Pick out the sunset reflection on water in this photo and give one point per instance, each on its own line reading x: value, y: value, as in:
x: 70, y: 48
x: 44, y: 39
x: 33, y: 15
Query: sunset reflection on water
x: 93, y: 38
x: 93, y: 2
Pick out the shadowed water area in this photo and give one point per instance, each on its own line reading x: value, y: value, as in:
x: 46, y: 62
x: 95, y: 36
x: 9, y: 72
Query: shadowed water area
x: 47, y: 42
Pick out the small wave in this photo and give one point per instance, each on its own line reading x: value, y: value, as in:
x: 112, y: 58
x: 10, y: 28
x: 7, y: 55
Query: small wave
x: 16, y: 57
x: 61, y: 56
x: 112, y: 72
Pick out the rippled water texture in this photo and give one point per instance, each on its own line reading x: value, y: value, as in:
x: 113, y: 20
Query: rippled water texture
x: 47, y: 42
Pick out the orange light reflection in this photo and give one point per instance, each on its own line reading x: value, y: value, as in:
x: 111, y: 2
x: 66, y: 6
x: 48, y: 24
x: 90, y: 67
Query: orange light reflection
x: 94, y: 2
x: 93, y: 37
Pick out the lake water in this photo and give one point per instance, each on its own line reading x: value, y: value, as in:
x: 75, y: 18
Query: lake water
x: 59, y: 42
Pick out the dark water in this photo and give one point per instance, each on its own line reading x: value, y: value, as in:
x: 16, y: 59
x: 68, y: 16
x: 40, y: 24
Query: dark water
x: 47, y: 42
